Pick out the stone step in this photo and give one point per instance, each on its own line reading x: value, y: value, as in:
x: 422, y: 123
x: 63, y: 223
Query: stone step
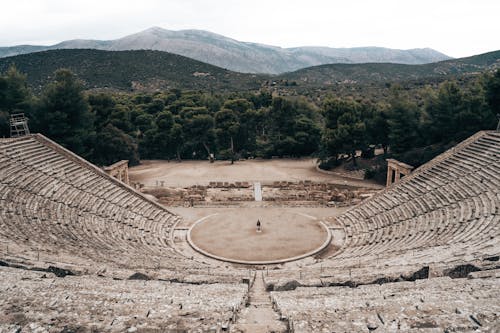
x: 259, y: 316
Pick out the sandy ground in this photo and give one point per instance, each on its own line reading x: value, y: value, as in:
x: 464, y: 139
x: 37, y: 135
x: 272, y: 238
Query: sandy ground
x: 232, y: 234
x: 188, y: 173
x: 231, y: 231
x: 190, y: 215
x: 224, y: 238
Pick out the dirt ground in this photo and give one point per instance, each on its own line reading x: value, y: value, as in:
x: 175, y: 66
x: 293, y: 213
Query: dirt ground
x: 189, y: 173
x: 232, y: 234
x: 230, y: 231
x: 190, y: 215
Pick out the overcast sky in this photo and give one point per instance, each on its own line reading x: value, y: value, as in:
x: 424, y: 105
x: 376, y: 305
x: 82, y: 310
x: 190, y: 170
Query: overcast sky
x: 455, y: 27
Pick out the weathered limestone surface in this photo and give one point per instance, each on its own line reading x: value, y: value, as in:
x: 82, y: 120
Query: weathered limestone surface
x: 434, y: 305
x: 59, y: 210
x: 55, y: 206
x: 259, y: 315
x: 447, y: 210
x: 447, y: 213
x: 41, y: 302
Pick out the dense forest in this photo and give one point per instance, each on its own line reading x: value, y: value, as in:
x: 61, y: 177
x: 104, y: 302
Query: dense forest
x: 177, y: 124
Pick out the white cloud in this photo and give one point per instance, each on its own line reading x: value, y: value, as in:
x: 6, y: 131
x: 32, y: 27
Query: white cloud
x: 457, y: 28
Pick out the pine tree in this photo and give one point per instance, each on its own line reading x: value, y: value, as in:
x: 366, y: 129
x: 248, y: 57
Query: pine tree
x: 64, y: 114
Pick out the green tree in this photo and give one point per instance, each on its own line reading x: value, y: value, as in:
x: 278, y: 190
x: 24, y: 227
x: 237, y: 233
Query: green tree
x: 252, y: 126
x: 15, y: 97
x: 239, y: 105
x: 144, y: 122
x: 198, y: 130
x: 227, y: 128
x: 403, y: 120
x: 113, y: 145
x: 344, y: 132
x: 177, y: 135
x: 261, y: 100
x: 101, y: 106
x: 281, y: 118
x: 455, y: 113
x: 443, y: 110
x: 493, y: 92
x: 163, y: 137
x: 64, y: 114
x: 307, y: 136
x: 377, y: 127
x: 476, y: 114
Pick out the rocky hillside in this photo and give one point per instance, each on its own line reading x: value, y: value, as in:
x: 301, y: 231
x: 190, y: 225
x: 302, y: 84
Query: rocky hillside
x: 239, y: 56
x: 129, y: 70
x: 367, y: 73
x: 152, y: 70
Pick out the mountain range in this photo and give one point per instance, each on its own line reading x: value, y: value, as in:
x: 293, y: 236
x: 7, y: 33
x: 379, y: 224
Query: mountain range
x: 156, y: 70
x: 331, y: 74
x: 239, y: 56
x: 129, y: 70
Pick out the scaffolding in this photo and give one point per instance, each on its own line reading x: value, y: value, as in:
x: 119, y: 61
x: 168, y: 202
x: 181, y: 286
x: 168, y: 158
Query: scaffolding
x: 18, y: 125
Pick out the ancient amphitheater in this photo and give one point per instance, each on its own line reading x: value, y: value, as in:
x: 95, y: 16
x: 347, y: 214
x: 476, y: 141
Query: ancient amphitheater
x: 80, y: 251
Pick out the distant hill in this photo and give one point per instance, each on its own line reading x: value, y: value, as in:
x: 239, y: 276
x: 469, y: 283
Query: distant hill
x: 239, y: 56
x: 385, y: 72
x: 154, y: 70
x: 129, y: 70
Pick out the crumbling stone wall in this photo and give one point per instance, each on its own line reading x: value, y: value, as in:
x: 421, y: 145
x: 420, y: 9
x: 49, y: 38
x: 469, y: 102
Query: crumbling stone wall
x: 294, y: 193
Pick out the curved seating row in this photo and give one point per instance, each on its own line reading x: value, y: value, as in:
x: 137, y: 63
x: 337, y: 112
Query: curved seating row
x: 450, y: 201
x: 435, y: 305
x: 57, y: 205
x: 445, y: 213
x: 96, y: 304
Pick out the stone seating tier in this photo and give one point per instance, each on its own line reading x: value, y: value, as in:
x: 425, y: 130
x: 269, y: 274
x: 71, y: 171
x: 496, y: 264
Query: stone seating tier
x: 452, y: 201
x: 98, y: 304
x: 55, y: 203
x: 439, y: 304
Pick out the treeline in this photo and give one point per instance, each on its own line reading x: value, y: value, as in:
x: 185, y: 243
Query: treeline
x: 175, y: 124
x: 413, y: 130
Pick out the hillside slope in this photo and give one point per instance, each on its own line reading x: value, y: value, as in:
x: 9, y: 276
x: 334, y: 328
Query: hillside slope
x: 153, y: 70
x: 239, y: 56
x: 386, y: 72
x: 129, y: 70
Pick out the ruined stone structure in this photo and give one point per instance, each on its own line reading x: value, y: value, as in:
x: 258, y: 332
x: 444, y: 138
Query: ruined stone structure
x: 396, y: 170
x: 420, y: 256
x: 119, y: 170
x: 306, y: 193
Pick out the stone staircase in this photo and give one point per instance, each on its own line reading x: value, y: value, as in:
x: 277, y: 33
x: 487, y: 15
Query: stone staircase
x: 259, y: 316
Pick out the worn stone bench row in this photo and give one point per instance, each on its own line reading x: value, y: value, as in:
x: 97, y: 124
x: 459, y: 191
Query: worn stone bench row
x: 454, y: 201
x: 106, y: 305
x: 48, y: 201
x: 438, y: 303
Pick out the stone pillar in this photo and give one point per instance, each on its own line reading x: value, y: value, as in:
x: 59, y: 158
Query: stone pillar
x: 389, y: 175
x: 399, y: 168
x: 119, y: 170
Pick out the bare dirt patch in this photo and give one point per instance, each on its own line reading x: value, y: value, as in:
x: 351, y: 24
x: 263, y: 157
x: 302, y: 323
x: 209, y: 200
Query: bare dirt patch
x: 233, y: 234
x: 293, y: 206
x: 189, y: 173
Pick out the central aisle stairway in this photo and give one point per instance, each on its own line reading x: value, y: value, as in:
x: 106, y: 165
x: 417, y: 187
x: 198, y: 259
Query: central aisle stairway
x: 259, y: 316
x: 257, y: 189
